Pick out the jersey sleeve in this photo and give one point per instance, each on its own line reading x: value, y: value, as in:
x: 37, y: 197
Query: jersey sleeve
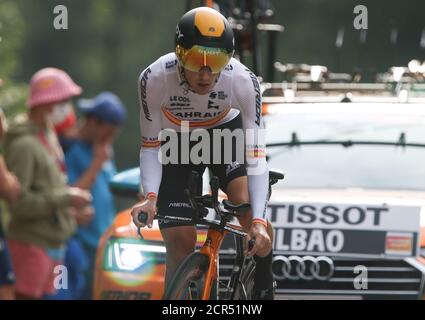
x: 151, y: 86
x: 247, y: 98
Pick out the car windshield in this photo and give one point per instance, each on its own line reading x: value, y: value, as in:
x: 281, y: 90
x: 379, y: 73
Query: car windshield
x: 358, y: 166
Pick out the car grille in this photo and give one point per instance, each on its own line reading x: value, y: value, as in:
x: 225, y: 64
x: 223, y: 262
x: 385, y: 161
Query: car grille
x: 386, y: 279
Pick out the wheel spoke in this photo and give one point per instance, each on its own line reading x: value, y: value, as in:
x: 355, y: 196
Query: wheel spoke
x: 244, y: 291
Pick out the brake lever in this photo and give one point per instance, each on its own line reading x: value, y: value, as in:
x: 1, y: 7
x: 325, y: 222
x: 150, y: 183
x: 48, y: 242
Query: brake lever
x: 139, y: 232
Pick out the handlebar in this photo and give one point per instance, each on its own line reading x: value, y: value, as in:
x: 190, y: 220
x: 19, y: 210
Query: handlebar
x: 142, y: 217
x: 200, y: 204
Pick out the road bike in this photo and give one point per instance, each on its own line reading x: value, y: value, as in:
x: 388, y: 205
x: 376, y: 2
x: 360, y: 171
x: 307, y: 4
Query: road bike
x: 197, y: 276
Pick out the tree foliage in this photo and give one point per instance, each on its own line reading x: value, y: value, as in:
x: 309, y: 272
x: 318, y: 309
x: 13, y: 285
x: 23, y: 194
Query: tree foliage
x: 13, y: 94
x: 109, y: 42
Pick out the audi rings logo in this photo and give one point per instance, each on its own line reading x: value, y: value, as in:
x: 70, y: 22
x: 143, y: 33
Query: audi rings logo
x: 303, y: 268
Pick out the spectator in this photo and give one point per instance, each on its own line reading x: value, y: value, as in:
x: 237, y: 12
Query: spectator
x: 66, y: 127
x: 90, y: 167
x: 9, y: 190
x: 41, y: 222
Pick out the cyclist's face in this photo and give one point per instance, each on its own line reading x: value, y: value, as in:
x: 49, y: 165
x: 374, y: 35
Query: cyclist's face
x: 202, y: 81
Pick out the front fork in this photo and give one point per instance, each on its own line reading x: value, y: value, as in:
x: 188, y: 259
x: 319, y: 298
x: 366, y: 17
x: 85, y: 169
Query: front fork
x: 237, y: 269
x: 210, y: 249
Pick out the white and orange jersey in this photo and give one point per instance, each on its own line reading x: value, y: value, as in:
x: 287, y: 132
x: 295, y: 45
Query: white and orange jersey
x: 166, y: 101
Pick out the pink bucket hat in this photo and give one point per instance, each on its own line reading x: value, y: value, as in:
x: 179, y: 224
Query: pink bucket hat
x: 51, y: 85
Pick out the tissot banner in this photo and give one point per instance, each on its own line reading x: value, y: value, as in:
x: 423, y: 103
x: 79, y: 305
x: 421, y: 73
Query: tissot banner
x: 345, y: 229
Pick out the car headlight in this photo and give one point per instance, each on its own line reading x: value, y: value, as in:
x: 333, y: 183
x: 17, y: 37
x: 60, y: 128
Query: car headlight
x: 131, y: 254
x: 128, y: 259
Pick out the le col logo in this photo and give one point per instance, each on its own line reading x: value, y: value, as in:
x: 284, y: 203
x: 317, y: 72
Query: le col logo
x: 179, y: 99
x: 60, y: 21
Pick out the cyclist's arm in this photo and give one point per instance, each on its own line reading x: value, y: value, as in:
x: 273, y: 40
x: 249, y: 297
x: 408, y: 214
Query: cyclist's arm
x: 151, y: 88
x: 247, y: 98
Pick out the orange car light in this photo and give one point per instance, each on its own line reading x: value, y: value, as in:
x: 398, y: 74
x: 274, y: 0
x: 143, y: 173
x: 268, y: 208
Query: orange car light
x: 146, y: 281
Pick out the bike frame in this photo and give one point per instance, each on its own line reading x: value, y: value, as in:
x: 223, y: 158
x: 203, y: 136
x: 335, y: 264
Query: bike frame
x: 212, y: 245
x: 211, y: 248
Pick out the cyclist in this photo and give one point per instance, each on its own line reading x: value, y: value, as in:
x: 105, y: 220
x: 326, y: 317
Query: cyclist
x: 201, y: 86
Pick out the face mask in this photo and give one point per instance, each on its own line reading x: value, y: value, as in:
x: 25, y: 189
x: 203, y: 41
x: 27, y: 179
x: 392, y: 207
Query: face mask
x: 61, y: 111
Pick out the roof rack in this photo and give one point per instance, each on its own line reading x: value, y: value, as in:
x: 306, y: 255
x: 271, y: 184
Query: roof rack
x: 343, y: 92
x: 305, y: 83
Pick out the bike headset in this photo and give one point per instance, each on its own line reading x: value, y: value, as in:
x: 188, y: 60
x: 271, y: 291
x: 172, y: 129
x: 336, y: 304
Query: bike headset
x: 204, y: 38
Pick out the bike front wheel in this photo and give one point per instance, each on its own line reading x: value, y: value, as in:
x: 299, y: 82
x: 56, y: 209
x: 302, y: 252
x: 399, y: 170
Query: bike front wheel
x: 189, y: 280
x: 245, y: 288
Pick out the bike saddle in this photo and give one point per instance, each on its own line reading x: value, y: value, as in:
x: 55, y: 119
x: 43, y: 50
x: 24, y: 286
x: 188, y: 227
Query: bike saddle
x: 235, y: 208
x: 275, y: 176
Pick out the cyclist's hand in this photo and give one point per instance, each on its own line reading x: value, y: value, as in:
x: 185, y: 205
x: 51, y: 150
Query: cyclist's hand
x: 148, y: 206
x: 79, y: 197
x: 263, y: 243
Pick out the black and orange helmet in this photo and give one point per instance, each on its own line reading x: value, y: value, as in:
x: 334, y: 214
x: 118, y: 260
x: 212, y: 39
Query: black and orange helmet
x: 204, y: 37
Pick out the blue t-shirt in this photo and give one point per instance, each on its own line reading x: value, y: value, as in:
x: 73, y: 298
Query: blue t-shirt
x: 78, y: 160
